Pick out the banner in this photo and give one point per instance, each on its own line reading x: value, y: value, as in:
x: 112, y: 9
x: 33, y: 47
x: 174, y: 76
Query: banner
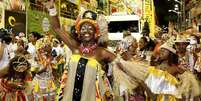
x: 149, y: 15
x: 16, y: 21
x: 118, y: 7
x: 68, y: 9
x: 37, y: 20
x: 134, y: 6
x: 147, y: 10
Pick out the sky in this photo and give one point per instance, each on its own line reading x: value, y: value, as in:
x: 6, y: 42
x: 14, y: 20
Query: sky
x: 161, y: 8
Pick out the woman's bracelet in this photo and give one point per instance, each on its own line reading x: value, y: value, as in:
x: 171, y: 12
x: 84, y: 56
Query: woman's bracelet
x: 52, y: 11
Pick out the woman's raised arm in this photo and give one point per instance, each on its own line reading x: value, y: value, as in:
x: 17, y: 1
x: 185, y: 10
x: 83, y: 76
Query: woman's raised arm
x: 71, y: 42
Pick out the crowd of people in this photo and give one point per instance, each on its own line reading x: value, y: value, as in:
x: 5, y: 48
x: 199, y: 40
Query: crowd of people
x: 169, y: 58
x: 79, y: 66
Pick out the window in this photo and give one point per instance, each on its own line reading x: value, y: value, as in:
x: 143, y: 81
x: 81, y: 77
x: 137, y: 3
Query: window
x: 120, y: 26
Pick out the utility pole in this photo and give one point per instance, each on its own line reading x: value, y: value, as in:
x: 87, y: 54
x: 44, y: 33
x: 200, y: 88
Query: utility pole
x: 179, y: 10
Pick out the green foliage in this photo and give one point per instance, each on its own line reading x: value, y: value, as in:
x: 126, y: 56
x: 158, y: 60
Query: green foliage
x: 35, y: 19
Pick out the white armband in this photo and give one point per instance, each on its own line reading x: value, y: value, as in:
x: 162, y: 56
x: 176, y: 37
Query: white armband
x: 52, y: 11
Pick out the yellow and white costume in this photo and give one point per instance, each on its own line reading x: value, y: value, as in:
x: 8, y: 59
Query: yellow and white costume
x: 160, y: 82
x: 84, y: 85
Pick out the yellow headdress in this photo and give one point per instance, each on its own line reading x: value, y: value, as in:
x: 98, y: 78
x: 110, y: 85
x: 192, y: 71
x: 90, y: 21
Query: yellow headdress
x: 169, y: 45
x: 20, y: 61
x: 44, y: 41
x: 181, y: 38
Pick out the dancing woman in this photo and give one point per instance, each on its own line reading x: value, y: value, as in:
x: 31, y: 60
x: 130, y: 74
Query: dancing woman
x: 14, y: 86
x: 85, y: 63
x: 169, y: 81
x: 5, y: 40
x: 44, y: 81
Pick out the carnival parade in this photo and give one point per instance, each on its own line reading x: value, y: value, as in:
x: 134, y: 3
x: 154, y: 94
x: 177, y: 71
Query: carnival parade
x: 100, y: 50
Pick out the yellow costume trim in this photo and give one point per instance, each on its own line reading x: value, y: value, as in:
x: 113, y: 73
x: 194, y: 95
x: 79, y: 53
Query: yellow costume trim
x: 54, y: 66
x: 93, y: 64
x: 34, y: 69
x: 91, y: 61
x: 162, y: 98
x: 58, y: 92
x: 53, y: 85
x: 36, y: 88
x: 98, y: 96
x: 159, y: 73
x: 60, y: 62
x: 43, y: 41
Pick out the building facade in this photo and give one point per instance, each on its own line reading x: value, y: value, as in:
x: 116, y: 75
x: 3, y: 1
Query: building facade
x: 193, y: 15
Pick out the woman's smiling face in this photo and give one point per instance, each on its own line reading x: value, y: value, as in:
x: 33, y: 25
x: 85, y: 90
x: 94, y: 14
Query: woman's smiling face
x: 87, y: 32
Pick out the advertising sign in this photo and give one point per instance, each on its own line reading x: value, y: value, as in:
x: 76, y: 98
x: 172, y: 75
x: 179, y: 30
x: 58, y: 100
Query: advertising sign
x: 16, y: 21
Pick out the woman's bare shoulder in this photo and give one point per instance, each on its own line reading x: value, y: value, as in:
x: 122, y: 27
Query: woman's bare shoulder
x: 105, y: 54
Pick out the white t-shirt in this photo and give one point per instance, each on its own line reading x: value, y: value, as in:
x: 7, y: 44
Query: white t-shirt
x: 12, y: 47
x: 5, y: 58
x: 57, y: 50
x: 31, y: 49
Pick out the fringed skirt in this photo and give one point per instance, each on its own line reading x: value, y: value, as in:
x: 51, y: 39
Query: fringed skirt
x: 44, y: 88
x: 8, y: 92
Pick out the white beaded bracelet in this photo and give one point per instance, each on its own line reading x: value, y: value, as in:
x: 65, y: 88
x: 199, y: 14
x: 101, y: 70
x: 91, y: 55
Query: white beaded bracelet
x: 52, y: 11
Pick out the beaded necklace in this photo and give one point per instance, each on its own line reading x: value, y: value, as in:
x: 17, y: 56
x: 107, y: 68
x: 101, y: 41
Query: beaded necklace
x: 89, y: 49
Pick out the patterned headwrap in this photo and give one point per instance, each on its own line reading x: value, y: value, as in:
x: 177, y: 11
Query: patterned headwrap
x: 169, y: 45
x: 88, y: 17
x: 42, y: 42
x: 18, y: 61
